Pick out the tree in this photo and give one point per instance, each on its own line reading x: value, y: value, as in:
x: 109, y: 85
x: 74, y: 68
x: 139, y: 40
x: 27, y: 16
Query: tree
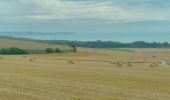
x: 74, y: 48
x: 57, y: 50
x: 49, y: 50
x: 13, y: 50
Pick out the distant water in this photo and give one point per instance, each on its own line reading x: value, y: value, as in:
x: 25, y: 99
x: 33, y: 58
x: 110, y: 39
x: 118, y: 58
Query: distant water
x: 121, y: 37
x: 81, y: 37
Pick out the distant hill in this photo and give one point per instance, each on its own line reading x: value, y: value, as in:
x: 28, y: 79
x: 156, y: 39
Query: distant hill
x: 6, y: 42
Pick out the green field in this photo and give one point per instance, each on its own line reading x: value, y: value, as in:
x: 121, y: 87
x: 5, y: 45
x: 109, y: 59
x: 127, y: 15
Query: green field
x: 119, y: 49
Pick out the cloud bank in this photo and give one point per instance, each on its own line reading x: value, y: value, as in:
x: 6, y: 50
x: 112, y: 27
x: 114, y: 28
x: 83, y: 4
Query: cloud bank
x: 107, y: 10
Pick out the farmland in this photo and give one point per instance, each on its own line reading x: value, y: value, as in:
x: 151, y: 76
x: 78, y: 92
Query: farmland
x: 119, y: 49
x: 29, y: 45
x: 89, y: 74
x: 84, y: 50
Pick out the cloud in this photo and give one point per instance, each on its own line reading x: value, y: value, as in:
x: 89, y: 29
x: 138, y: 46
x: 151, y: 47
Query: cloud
x: 107, y: 10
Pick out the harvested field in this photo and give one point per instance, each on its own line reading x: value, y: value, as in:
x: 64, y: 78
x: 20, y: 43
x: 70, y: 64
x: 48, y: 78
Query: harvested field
x: 29, y: 45
x: 83, y: 76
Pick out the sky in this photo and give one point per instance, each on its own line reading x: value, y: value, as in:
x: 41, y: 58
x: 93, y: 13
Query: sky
x: 121, y: 20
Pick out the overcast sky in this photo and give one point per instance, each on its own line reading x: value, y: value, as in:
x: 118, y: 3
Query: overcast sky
x: 139, y: 17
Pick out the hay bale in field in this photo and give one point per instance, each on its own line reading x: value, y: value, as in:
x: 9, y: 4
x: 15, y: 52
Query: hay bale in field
x: 129, y: 65
x: 35, y: 58
x: 151, y: 66
x: 31, y: 59
x: 156, y: 65
x: 123, y: 62
x: 119, y: 64
x: 1, y: 58
x: 153, y: 56
x: 112, y: 62
x: 24, y: 56
x: 70, y: 62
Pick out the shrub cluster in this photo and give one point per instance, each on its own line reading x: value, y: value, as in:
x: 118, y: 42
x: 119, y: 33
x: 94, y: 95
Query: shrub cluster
x: 51, y: 50
x: 74, y: 47
x: 12, y: 51
x: 18, y: 51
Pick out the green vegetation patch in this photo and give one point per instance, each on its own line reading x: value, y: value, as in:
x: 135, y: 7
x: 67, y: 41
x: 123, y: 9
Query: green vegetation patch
x: 19, y: 51
x: 12, y: 51
x: 119, y: 49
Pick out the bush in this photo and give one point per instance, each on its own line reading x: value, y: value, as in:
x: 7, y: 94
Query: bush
x: 57, y: 50
x: 49, y: 50
x: 74, y: 47
x: 13, y: 50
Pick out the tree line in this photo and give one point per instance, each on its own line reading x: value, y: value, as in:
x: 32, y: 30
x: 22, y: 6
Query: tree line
x: 110, y: 44
x: 19, y: 51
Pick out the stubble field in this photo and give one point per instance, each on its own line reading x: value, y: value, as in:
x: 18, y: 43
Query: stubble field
x: 92, y: 75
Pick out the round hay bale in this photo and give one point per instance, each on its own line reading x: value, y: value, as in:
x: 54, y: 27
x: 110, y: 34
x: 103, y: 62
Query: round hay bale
x: 129, y: 65
x: 112, y: 62
x: 31, y: 59
x: 156, y: 65
x: 24, y: 56
x: 119, y: 64
x: 151, y: 66
x: 70, y: 62
x: 35, y: 58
